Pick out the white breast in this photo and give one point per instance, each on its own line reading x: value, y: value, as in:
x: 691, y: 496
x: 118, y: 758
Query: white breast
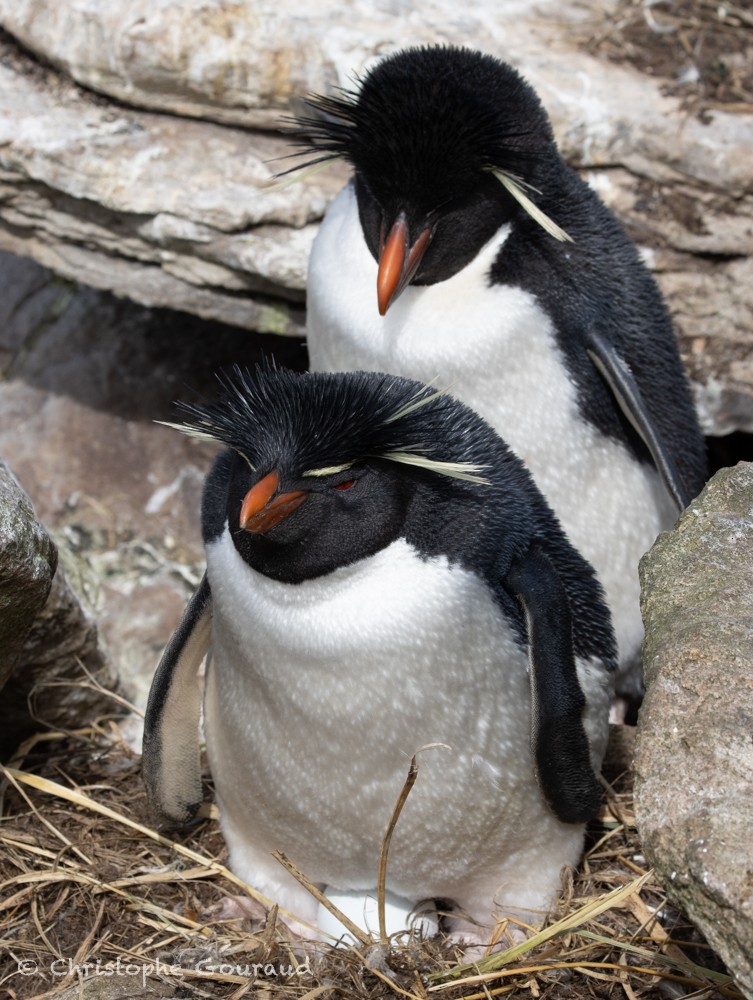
x: 319, y: 694
x: 496, y: 348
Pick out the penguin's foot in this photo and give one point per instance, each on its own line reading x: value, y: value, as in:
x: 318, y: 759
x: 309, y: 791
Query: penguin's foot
x: 236, y: 908
x: 628, y: 697
x: 618, y: 712
x: 246, y: 908
x: 624, y: 711
x: 475, y: 942
x: 470, y: 950
x: 258, y: 868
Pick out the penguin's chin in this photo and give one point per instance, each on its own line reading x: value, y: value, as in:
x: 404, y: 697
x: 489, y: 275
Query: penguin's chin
x: 263, y: 549
x: 286, y: 556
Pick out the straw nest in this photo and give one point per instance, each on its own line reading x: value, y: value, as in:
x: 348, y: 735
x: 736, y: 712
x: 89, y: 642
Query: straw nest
x: 94, y: 902
x: 700, y: 48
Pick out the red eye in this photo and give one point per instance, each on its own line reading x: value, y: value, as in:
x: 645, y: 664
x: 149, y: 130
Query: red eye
x: 346, y: 485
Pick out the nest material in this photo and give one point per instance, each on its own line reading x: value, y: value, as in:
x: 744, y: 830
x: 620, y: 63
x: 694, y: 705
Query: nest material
x: 89, y: 890
x: 701, y: 48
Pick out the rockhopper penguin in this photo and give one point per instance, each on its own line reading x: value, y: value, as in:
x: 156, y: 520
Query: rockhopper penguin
x: 465, y: 250
x: 382, y: 573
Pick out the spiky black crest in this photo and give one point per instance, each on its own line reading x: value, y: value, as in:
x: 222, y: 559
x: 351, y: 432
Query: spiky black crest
x: 320, y: 420
x: 431, y: 119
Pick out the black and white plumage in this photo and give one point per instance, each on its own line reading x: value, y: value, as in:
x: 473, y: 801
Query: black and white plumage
x: 466, y: 250
x: 382, y: 573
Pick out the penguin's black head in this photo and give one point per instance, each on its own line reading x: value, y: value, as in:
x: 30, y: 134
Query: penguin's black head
x: 440, y: 139
x: 323, y: 468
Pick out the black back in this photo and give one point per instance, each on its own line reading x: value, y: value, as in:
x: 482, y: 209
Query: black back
x: 598, y: 284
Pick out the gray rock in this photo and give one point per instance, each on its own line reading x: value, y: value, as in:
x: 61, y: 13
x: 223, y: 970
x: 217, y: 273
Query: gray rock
x: 50, y: 653
x: 27, y: 565
x: 169, y: 169
x: 60, y: 668
x: 167, y: 212
x: 694, y: 756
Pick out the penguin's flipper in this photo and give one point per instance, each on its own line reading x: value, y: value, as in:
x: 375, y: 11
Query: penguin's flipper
x: 558, y: 739
x: 617, y: 374
x: 170, y: 761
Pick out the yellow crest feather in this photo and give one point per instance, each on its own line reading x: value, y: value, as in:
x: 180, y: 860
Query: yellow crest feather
x: 514, y: 185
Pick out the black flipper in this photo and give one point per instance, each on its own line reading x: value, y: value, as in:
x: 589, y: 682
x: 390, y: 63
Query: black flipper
x: 170, y: 762
x: 625, y: 389
x: 558, y: 740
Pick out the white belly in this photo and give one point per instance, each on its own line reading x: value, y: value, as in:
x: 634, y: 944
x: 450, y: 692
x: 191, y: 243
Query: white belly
x: 319, y: 694
x: 499, y: 354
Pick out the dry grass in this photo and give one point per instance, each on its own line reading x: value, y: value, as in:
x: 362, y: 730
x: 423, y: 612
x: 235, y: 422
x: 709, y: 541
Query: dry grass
x: 88, y: 889
x: 703, y: 50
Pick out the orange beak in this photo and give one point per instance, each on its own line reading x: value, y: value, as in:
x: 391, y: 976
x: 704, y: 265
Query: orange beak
x: 398, y: 262
x: 262, y: 510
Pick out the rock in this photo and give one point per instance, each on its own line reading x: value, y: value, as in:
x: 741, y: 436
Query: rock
x: 55, y: 682
x: 713, y: 313
x: 231, y: 61
x: 694, y: 754
x: 186, y: 214
x: 168, y: 212
x: 49, y: 647
x: 27, y: 565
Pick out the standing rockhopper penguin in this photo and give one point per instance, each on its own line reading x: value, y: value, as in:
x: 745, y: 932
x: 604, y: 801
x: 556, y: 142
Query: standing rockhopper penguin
x: 382, y: 573
x: 465, y: 250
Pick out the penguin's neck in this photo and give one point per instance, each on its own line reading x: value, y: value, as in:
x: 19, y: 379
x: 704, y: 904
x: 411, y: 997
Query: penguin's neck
x: 347, y: 332
x: 339, y: 621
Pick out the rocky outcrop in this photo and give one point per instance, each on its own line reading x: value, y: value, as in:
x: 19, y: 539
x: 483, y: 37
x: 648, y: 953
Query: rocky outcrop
x: 27, y: 565
x: 183, y: 212
x: 49, y: 654
x: 232, y: 61
x: 56, y: 678
x: 161, y: 210
x: 694, y: 757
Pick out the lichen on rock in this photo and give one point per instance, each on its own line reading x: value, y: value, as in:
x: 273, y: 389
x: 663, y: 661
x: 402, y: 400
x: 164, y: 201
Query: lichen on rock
x: 694, y: 753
